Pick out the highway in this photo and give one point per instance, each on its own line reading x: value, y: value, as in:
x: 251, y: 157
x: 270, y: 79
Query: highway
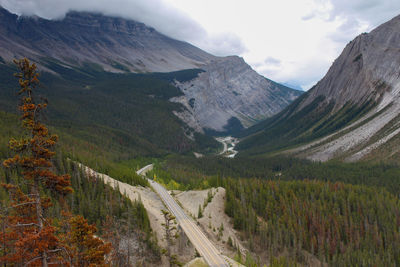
x: 204, y: 246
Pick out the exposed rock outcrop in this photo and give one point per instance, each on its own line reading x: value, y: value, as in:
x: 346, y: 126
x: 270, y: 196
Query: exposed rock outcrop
x: 367, y: 69
x: 228, y: 89
x: 115, y: 44
x: 354, y: 110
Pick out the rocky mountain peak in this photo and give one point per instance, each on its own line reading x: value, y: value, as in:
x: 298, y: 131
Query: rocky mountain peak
x: 114, y: 44
x: 366, y: 69
x: 353, y: 111
x: 230, y: 95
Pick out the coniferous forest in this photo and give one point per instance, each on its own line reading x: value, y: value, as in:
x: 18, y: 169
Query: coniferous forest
x: 101, y: 109
x: 285, y: 209
x: 341, y: 224
x: 340, y: 213
x: 51, y: 211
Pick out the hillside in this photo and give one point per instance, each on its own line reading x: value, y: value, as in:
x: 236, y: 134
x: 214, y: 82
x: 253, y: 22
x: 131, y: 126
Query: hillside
x: 355, y: 107
x: 127, y: 114
x: 294, y: 211
x: 227, y: 96
x: 114, y: 44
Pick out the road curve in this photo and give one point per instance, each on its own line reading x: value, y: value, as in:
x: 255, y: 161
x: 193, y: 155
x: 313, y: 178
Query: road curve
x: 205, y: 248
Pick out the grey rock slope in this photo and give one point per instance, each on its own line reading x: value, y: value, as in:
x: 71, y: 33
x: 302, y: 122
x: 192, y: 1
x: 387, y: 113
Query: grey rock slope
x: 80, y: 38
x: 367, y: 69
x: 230, y: 91
x: 354, y: 111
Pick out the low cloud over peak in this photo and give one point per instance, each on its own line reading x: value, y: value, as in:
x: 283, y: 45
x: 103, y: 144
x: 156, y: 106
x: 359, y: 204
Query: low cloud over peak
x: 155, y: 13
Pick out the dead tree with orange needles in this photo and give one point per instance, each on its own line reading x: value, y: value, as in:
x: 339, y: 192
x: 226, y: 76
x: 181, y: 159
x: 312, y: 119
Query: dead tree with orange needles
x: 28, y: 232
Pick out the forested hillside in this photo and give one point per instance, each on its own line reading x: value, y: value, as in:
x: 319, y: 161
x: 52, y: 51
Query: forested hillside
x: 118, y: 219
x: 127, y: 114
x: 349, y: 114
x: 342, y: 214
x: 292, y: 127
x: 192, y: 172
x: 341, y: 224
x: 49, y: 204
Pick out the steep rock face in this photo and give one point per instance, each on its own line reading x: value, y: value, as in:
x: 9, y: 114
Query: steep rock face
x: 113, y: 43
x: 367, y: 69
x: 353, y: 111
x: 228, y: 89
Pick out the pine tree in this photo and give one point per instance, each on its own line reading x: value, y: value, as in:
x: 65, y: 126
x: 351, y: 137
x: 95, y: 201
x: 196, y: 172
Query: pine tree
x: 170, y: 234
x: 30, y: 235
x: 85, y: 249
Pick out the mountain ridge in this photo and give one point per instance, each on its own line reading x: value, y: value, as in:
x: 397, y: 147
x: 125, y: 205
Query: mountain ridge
x: 223, y: 92
x: 113, y: 43
x: 350, y: 112
x: 84, y: 40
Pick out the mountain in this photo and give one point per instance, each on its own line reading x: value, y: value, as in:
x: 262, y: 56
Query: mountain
x: 352, y: 113
x: 226, y: 96
x: 114, y: 44
x: 229, y: 94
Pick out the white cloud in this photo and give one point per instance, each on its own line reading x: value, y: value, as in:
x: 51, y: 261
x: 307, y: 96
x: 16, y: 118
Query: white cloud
x: 156, y: 13
x: 159, y: 14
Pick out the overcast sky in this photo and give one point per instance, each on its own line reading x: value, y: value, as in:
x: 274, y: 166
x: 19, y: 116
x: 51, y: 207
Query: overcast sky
x: 289, y: 41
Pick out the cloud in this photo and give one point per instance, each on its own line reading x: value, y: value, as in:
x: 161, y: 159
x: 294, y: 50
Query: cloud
x: 305, y: 77
x: 151, y: 12
x: 342, y: 20
x: 272, y: 61
x: 155, y: 13
x: 224, y: 44
x: 373, y: 11
x: 308, y: 16
x: 359, y: 16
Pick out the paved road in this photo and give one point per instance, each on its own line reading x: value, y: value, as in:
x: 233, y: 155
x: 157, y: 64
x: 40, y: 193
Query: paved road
x: 206, y: 249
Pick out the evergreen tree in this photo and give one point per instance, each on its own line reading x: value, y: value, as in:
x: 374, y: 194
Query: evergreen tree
x: 32, y: 237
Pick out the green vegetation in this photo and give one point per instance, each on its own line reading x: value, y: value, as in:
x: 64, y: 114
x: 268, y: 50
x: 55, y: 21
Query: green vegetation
x: 344, y: 214
x: 128, y: 115
x: 91, y: 197
x: 341, y: 224
x: 292, y: 127
x: 117, y: 217
x: 96, y: 201
x: 191, y: 173
x: 113, y: 123
x: 96, y: 156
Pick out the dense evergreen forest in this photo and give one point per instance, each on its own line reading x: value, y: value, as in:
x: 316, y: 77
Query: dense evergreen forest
x: 128, y: 115
x: 341, y: 224
x: 117, y: 218
x: 99, y: 157
x: 195, y: 173
x: 58, y: 208
x: 344, y: 214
